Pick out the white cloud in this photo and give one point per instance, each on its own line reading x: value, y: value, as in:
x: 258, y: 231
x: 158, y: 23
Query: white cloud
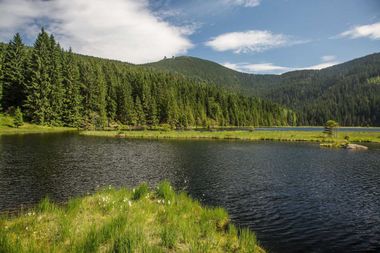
x: 250, y: 41
x: 270, y: 68
x: 371, y: 31
x: 327, y: 58
x: 245, y: 3
x: 117, y: 29
x: 256, y: 68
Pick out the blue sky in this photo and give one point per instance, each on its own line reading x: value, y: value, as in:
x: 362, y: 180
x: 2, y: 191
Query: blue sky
x: 255, y: 36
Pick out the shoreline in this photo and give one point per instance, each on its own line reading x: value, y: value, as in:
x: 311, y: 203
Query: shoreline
x: 285, y: 136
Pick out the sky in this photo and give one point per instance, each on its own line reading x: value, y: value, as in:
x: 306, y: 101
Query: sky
x: 253, y: 36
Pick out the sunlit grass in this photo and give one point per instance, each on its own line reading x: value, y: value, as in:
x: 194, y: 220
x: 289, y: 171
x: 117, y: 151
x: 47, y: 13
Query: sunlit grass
x: 7, y: 127
x: 122, y: 220
x: 311, y: 136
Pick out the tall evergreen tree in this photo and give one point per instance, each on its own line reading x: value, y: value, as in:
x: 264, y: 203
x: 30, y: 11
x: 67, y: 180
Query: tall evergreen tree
x: 57, y: 91
x: 72, y: 100
x: 13, y: 73
x: 39, y: 87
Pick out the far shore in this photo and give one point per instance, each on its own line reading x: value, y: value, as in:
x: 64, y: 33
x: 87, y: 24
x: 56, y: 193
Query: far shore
x: 291, y: 136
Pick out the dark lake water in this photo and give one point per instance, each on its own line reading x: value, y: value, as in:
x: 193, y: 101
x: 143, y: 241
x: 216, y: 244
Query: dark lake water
x: 296, y: 196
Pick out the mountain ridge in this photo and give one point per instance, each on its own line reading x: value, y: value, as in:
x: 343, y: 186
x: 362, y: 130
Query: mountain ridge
x: 341, y: 92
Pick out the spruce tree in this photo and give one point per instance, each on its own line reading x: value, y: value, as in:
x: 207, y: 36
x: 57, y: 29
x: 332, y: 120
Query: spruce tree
x: 140, y: 115
x: 57, y: 92
x: 13, y: 73
x: 39, y: 87
x: 18, y: 119
x: 72, y: 100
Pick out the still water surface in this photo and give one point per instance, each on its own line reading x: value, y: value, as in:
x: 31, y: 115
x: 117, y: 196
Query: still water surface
x: 296, y: 196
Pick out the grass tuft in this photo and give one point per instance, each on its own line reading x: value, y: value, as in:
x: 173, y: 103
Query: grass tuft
x: 165, y: 191
x: 141, y: 191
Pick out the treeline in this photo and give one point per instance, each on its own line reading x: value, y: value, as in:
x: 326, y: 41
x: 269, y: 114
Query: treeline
x: 57, y: 87
x: 348, y: 93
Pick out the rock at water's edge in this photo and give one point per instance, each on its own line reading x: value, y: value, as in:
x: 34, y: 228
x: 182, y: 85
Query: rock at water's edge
x: 356, y: 146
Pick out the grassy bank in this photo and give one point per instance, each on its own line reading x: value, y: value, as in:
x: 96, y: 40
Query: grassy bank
x: 7, y: 127
x: 125, y: 221
x: 311, y: 136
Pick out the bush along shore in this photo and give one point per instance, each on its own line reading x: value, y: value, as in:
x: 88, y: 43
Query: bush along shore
x: 122, y: 220
x: 310, y: 136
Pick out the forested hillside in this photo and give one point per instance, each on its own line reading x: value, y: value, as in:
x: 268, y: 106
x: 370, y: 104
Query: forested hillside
x: 57, y: 87
x: 214, y: 73
x: 348, y: 92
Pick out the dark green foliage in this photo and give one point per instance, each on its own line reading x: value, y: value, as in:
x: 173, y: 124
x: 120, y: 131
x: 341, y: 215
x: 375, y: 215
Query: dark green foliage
x: 331, y: 128
x: 72, y: 100
x: 348, y: 92
x: 41, y: 78
x: 13, y: 74
x: 18, y: 120
x: 81, y: 91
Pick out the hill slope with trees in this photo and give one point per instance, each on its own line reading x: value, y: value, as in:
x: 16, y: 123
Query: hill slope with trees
x: 56, y: 87
x: 348, y: 92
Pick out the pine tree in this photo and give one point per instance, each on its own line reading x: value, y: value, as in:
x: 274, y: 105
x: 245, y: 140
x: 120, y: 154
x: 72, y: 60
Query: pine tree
x: 140, y: 113
x: 13, y: 73
x: 72, y: 107
x: 57, y: 92
x: 39, y: 88
x: 18, y: 119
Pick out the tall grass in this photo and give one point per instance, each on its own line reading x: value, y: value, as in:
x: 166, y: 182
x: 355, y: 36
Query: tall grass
x: 122, y: 220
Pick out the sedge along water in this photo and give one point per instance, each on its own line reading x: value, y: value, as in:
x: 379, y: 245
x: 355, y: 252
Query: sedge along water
x: 297, y: 197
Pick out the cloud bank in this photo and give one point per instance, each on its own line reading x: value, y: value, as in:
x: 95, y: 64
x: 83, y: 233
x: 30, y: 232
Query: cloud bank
x: 118, y: 29
x: 249, y: 41
x: 270, y: 68
x: 371, y: 31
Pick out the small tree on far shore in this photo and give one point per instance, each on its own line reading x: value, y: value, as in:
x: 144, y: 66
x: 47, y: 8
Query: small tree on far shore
x: 331, y: 128
x: 18, y: 120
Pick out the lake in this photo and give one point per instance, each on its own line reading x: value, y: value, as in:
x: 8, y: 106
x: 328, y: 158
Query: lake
x: 297, y: 197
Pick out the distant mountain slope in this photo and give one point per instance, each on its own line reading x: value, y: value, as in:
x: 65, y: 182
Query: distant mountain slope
x: 213, y: 72
x: 347, y: 92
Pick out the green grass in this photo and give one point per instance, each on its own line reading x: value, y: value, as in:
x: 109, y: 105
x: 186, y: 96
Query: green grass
x: 122, y: 220
x: 310, y: 136
x: 7, y: 127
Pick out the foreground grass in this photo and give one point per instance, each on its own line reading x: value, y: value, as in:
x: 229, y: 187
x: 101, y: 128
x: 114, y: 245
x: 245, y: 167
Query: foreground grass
x: 125, y: 221
x: 311, y: 136
x: 7, y: 127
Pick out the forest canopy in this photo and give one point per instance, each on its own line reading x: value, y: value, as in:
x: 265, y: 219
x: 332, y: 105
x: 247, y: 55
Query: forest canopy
x: 56, y: 87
